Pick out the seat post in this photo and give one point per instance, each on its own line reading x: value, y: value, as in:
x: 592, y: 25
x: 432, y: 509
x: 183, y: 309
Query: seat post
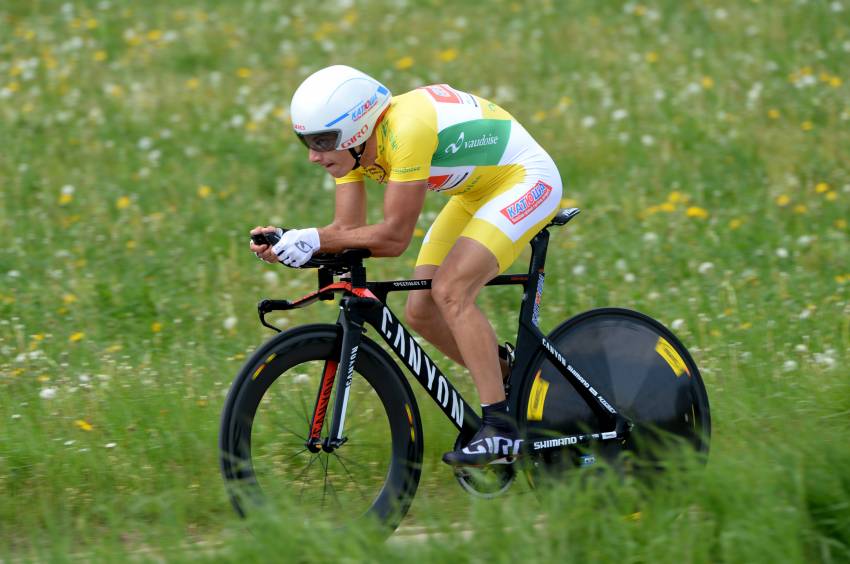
x: 539, y: 246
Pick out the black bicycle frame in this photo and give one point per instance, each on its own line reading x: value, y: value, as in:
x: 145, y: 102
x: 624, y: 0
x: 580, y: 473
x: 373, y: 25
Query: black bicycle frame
x: 365, y: 302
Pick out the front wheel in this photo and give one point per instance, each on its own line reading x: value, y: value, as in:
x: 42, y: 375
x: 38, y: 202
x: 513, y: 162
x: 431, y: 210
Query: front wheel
x: 266, y: 424
x: 641, y: 368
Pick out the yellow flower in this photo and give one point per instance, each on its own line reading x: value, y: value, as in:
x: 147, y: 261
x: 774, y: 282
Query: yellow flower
x: 832, y: 196
x: 835, y: 82
x: 697, y: 212
x: 651, y: 57
x: 122, y: 203
x: 204, y: 191
x: 448, y: 55
x: 707, y: 82
x: 91, y: 23
x: 538, y: 116
x: 78, y: 336
x: 243, y: 72
x: 404, y: 63
x: 65, y: 199
x: 418, y: 232
x: 773, y: 113
x: 114, y: 348
x: 840, y: 224
x: 568, y: 203
x: 801, y: 209
x: 783, y: 200
x: 131, y: 244
x: 83, y: 424
x: 154, y: 35
x: 192, y: 83
x: 735, y: 224
x: 821, y: 187
x: 807, y: 125
x: 675, y: 197
x: 100, y: 56
x: 667, y: 207
x: 156, y: 327
x: 68, y: 299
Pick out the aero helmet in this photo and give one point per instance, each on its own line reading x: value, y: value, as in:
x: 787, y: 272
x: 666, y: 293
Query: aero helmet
x: 336, y: 108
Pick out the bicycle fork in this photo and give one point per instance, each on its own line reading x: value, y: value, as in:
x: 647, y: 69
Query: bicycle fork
x: 339, y: 372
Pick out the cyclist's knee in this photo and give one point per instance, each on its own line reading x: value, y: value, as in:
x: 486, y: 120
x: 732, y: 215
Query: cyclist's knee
x: 419, y: 311
x: 449, y: 298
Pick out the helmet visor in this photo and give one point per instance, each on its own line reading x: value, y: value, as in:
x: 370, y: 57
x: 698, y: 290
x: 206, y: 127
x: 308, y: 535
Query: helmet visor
x: 321, y: 141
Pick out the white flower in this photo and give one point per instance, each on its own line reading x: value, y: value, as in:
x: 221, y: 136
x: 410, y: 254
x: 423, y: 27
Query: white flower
x: 67, y: 190
x: 647, y: 140
x: 145, y: 143
x: 629, y: 277
x: 301, y: 379
x: 650, y: 237
x: 230, y: 322
x: 47, y: 393
x: 705, y: 267
x: 806, y: 313
x: 588, y: 121
x: 69, y: 442
x: 110, y: 445
x: 270, y: 277
x: 16, y: 416
x: 789, y: 366
x: 782, y: 252
x: 677, y: 324
x: 621, y: 264
x: 619, y: 114
x: 836, y: 7
x: 13, y: 274
x: 579, y: 269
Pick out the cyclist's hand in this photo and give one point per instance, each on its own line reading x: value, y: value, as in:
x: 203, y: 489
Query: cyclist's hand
x: 297, y: 246
x: 264, y: 252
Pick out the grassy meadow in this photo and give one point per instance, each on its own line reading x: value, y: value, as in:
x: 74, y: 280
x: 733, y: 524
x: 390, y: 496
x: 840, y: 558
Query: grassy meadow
x: 706, y: 142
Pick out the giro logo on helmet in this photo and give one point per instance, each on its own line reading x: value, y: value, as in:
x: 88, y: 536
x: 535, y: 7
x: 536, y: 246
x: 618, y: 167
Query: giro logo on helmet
x: 352, y: 141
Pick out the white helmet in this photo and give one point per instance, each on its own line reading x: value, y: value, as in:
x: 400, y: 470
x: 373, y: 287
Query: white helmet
x: 337, y: 108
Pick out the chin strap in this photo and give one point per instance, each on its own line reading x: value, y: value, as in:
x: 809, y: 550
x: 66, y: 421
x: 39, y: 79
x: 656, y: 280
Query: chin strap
x: 357, y: 156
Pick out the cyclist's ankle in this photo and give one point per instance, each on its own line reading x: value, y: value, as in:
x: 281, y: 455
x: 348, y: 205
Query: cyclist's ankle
x: 498, y: 416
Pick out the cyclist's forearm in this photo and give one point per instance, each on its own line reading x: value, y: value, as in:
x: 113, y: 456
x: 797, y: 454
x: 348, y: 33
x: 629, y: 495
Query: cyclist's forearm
x: 382, y: 239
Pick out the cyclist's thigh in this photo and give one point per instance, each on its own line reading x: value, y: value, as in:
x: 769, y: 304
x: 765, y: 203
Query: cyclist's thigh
x: 443, y: 233
x: 507, y: 221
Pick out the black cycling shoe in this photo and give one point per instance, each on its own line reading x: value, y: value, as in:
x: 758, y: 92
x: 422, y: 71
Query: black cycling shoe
x: 489, y: 446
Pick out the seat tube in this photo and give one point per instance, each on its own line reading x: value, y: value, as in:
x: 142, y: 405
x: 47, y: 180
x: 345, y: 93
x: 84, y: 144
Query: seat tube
x: 352, y: 331
x: 530, y: 309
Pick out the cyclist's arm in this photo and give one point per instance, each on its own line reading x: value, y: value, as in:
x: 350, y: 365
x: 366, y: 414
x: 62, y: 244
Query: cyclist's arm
x: 402, y: 205
x: 350, y: 206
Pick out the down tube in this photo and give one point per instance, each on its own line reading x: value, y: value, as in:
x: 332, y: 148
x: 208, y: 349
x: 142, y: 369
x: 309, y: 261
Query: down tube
x: 423, y: 368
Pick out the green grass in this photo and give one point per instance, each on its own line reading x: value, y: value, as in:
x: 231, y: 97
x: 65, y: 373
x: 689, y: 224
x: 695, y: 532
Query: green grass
x: 707, y: 144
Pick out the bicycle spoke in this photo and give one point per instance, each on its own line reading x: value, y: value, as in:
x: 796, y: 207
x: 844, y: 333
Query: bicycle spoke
x: 351, y: 476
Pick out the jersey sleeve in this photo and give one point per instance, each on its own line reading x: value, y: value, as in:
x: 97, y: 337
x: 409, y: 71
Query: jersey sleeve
x: 412, y: 147
x: 353, y: 176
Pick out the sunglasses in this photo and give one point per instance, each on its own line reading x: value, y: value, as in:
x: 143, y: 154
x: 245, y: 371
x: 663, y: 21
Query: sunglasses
x: 322, y: 141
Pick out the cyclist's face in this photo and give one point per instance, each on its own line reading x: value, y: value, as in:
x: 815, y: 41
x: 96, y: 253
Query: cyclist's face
x: 337, y: 163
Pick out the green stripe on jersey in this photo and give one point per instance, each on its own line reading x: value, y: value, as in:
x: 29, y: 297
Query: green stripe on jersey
x: 479, y: 142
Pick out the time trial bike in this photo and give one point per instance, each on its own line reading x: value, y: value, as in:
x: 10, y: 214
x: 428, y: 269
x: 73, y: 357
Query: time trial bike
x: 322, y: 420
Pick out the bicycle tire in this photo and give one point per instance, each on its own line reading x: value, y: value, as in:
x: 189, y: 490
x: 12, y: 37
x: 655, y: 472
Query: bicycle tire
x: 269, y: 408
x: 639, y: 366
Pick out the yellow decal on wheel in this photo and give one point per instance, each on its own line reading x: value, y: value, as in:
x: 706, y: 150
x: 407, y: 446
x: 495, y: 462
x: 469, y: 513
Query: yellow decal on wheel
x: 668, y: 353
x: 257, y: 373
x: 538, y: 396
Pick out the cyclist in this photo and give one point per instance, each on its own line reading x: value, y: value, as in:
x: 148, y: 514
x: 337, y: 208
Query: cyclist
x: 503, y: 189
